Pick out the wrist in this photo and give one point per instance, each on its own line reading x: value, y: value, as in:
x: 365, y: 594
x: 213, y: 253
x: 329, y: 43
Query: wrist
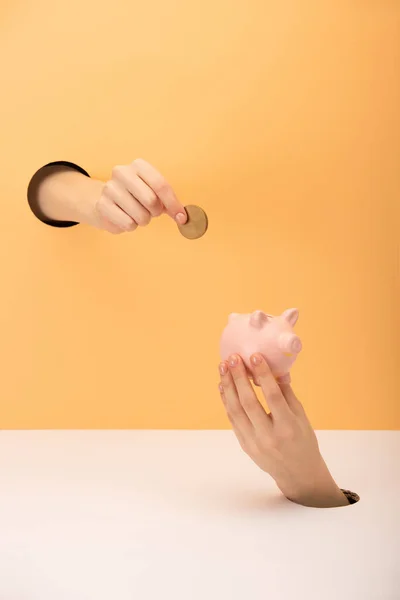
x: 87, y: 198
x: 318, y: 497
x: 66, y: 194
x: 316, y: 490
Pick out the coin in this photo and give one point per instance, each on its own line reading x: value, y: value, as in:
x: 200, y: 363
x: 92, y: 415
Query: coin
x: 196, y: 224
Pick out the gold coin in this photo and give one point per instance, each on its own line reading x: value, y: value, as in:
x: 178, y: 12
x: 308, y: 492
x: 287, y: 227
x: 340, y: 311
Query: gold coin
x: 196, y: 225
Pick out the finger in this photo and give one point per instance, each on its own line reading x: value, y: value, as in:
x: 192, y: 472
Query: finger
x: 273, y: 395
x: 293, y: 402
x: 117, y: 192
x: 112, y: 213
x: 129, y: 180
x: 236, y: 431
x: 162, y: 189
x: 238, y: 434
x: 110, y: 227
x: 234, y: 409
x: 247, y: 397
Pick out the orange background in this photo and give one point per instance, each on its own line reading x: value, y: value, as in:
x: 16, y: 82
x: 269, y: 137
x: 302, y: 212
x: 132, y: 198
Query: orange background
x: 281, y: 119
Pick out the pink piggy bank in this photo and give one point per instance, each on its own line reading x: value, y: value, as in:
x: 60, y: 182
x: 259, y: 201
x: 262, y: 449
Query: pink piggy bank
x: 273, y: 337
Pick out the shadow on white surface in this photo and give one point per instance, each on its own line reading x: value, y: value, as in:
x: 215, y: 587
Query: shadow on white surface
x: 147, y: 515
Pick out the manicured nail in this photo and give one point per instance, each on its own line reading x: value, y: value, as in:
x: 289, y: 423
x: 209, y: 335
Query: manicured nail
x: 223, y: 369
x: 233, y: 361
x: 256, y: 360
x: 180, y: 218
x: 221, y: 388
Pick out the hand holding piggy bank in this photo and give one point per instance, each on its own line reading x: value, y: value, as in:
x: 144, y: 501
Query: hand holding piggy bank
x: 273, y: 337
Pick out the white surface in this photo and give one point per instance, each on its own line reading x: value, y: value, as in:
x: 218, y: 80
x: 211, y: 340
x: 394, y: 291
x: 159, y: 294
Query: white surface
x: 186, y: 516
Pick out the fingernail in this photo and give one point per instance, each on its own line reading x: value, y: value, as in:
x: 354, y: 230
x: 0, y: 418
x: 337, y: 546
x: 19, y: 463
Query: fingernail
x: 233, y: 361
x: 223, y: 369
x: 221, y: 388
x: 180, y: 218
x: 256, y: 360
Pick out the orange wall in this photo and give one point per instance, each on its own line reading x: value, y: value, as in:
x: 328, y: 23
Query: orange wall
x: 282, y: 120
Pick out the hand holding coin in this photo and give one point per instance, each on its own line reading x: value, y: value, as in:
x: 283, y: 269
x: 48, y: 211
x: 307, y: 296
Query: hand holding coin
x: 196, y: 224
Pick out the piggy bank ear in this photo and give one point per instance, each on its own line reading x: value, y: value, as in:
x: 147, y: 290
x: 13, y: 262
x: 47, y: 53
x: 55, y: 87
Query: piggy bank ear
x: 291, y: 315
x: 258, y: 319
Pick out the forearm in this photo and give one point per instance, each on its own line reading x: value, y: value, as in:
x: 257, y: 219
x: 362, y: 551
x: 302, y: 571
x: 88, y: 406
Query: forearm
x: 60, y: 193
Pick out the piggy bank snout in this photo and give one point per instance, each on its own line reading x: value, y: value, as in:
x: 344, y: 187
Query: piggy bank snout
x: 290, y: 343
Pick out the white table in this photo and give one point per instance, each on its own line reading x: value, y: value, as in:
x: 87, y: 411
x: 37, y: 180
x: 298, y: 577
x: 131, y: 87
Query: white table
x: 124, y: 515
